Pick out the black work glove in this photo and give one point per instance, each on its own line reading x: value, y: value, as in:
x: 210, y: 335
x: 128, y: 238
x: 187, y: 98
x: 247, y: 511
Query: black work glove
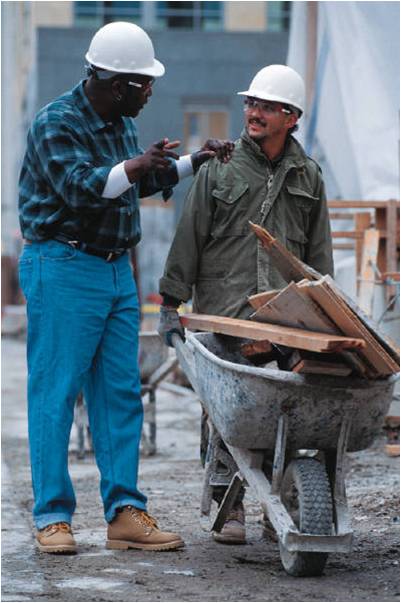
x: 169, y: 323
x: 222, y: 149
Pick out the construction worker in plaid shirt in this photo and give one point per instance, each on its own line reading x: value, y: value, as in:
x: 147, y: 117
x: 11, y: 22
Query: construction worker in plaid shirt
x: 80, y: 181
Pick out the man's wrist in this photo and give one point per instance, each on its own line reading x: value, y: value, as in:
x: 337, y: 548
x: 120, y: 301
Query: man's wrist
x: 170, y: 302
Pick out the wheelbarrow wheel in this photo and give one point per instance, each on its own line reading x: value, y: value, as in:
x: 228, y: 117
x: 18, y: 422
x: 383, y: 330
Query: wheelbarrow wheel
x: 306, y: 494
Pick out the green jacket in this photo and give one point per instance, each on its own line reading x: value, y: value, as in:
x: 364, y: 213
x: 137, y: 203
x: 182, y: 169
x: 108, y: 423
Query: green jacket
x: 215, y: 258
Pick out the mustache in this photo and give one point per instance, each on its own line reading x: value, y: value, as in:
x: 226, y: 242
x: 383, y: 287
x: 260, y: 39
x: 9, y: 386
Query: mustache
x: 255, y: 120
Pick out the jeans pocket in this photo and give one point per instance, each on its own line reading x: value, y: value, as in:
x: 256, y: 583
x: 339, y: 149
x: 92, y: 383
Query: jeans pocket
x: 57, y: 252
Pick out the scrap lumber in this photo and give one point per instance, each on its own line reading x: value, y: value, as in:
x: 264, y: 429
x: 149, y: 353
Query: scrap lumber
x: 292, y: 308
x: 290, y: 267
x: 371, y: 325
x: 260, y: 299
x: 367, y: 277
x: 312, y: 363
x: 295, y: 338
x: 256, y: 347
x: 259, y: 352
x: 314, y: 367
x: 379, y: 361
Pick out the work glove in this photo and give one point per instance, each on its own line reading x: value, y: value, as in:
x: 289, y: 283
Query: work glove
x: 169, y: 323
x: 222, y: 149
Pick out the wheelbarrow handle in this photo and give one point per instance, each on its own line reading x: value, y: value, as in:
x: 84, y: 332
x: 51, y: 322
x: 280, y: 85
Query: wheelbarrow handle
x: 185, y: 355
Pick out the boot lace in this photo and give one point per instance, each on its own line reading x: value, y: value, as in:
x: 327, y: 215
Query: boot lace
x: 55, y: 527
x: 143, y: 518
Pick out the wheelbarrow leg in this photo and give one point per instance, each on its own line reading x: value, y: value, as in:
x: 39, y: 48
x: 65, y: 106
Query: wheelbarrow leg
x: 341, y: 515
x: 228, y: 501
x: 219, y: 471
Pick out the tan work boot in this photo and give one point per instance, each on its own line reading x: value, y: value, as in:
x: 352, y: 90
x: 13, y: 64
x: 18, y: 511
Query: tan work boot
x: 233, y: 531
x: 135, y: 529
x: 56, y: 538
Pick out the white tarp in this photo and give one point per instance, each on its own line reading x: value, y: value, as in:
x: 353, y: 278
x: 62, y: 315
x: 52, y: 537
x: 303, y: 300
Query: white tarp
x: 352, y: 126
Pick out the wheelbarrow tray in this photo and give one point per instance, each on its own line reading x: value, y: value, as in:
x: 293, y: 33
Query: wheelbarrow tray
x: 245, y: 402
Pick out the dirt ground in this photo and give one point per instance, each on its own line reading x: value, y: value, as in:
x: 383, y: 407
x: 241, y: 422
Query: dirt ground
x: 204, y: 570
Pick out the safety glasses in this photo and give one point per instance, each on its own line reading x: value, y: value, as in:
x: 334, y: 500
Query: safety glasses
x: 267, y: 107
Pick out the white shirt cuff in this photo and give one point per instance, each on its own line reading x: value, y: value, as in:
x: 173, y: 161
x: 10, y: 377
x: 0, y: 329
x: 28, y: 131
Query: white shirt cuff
x: 117, y: 182
x: 184, y: 167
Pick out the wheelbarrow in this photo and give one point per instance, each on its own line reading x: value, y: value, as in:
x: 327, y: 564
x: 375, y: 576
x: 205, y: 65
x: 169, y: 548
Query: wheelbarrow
x: 154, y: 365
x: 287, y: 434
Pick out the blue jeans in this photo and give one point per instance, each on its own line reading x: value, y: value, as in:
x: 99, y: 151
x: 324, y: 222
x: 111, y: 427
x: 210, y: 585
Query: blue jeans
x: 83, y: 322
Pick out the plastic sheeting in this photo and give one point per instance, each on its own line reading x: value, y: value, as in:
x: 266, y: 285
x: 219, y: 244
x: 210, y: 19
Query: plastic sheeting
x: 352, y: 125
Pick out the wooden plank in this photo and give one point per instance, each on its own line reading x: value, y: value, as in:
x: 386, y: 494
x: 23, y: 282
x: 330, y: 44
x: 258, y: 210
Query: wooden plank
x: 392, y: 243
x: 292, y: 307
x: 341, y: 203
x: 334, y: 306
x: 290, y: 267
x: 369, y: 264
x: 362, y: 222
x: 256, y: 347
x: 341, y: 215
x: 373, y: 328
x: 260, y: 299
x: 343, y: 246
x: 314, y: 367
x: 295, y: 338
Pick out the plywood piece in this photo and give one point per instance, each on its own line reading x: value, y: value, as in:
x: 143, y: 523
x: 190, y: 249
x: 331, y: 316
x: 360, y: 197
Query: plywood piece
x: 373, y: 328
x: 260, y: 299
x: 293, y: 308
x: 294, y: 338
x: 334, y: 306
x: 367, y: 278
x: 314, y: 367
x: 290, y: 267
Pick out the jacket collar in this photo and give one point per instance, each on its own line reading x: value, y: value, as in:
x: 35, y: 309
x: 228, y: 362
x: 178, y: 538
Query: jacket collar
x: 293, y: 154
x: 94, y: 120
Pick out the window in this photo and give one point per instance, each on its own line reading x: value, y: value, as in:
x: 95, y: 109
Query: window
x: 96, y: 14
x: 201, y: 123
x: 278, y: 16
x: 189, y: 15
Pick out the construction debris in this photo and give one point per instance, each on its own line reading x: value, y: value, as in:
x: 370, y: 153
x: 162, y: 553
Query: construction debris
x: 313, y: 302
x: 310, y: 326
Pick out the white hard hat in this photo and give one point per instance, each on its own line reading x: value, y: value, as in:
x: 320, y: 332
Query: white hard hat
x: 123, y: 47
x: 278, y: 83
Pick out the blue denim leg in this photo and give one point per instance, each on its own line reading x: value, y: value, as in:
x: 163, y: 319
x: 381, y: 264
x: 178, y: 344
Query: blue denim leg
x: 70, y: 296
x: 112, y: 393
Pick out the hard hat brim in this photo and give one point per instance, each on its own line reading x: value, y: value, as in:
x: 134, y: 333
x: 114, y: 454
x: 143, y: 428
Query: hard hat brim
x: 269, y: 97
x: 155, y: 70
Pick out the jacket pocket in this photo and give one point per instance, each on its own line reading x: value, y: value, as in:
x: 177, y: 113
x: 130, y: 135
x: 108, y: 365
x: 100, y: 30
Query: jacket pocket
x: 301, y: 197
x: 296, y: 241
x: 231, y: 204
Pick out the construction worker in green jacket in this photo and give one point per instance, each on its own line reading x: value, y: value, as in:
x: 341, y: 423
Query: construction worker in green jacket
x: 215, y: 258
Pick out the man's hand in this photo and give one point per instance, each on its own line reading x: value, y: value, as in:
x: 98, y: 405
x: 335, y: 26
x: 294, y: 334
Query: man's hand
x: 169, y: 323
x: 222, y: 149
x: 155, y: 158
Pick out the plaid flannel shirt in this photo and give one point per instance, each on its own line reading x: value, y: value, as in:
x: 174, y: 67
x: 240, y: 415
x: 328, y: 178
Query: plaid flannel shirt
x: 70, y: 152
